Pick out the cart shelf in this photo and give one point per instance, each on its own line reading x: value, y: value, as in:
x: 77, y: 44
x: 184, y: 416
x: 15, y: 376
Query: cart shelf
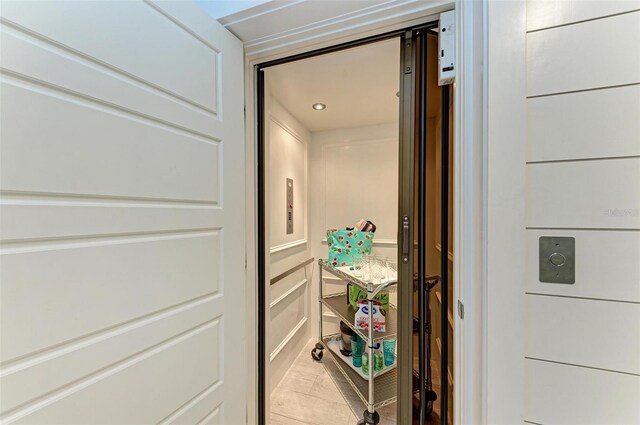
x: 385, y: 384
x: 339, y: 305
x: 367, y: 286
x: 377, y: 391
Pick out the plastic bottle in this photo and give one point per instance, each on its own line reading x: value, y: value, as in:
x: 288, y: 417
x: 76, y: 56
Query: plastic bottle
x: 365, y: 363
x: 378, y: 360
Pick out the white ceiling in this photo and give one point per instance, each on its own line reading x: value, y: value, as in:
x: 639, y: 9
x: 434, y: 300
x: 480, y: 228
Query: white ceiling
x: 358, y: 85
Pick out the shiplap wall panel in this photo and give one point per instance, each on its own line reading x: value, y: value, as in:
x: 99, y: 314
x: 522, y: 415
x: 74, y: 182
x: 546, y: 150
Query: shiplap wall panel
x: 605, y: 56
x: 593, y: 333
x: 156, y: 394
x: 30, y: 57
x: 561, y: 394
x: 49, y: 372
x: 583, y: 175
x: 548, y: 13
x: 591, y: 124
x: 584, y: 194
x: 607, y: 265
x: 50, y: 156
x: 105, y: 282
x: 176, y: 48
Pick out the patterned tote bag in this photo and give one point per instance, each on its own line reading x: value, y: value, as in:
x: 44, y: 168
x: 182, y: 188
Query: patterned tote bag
x: 347, y: 245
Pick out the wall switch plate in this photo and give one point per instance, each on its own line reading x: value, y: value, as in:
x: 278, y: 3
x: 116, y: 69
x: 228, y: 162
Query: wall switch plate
x: 557, y: 259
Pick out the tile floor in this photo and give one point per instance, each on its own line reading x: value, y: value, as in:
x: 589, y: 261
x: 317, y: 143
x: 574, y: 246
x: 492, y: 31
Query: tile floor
x: 316, y: 393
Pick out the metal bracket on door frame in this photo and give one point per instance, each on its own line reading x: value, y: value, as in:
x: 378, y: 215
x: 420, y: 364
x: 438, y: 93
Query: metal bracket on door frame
x: 460, y: 309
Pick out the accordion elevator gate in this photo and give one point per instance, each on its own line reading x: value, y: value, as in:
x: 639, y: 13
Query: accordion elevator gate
x: 426, y: 199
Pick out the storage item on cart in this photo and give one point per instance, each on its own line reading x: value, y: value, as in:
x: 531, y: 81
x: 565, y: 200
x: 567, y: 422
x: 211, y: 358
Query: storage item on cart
x: 356, y: 294
x: 347, y: 245
x: 362, y: 316
x: 345, y: 339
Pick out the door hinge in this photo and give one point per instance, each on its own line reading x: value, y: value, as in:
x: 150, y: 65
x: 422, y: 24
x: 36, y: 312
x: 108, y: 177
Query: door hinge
x: 460, y: 309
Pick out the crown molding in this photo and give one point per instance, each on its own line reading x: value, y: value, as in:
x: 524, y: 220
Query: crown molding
x: 256, y: 12
x: 390, y: 15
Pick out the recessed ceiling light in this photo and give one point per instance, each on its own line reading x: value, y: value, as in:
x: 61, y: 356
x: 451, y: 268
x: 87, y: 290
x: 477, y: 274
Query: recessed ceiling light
x: 319, y: 106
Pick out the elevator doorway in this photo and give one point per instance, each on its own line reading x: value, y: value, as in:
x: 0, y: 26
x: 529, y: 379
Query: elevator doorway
x: 422, y: 173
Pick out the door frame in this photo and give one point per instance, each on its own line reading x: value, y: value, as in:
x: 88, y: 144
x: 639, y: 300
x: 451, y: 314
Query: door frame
x: 469, y: 158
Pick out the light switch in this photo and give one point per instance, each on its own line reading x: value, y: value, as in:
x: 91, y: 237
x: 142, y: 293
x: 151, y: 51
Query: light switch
x: 557, y: 259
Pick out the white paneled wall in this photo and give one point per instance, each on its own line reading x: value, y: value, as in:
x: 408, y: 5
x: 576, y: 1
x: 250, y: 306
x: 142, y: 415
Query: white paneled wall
x: 582, y: 350
x: 353, y: 174
x: 288, y: 325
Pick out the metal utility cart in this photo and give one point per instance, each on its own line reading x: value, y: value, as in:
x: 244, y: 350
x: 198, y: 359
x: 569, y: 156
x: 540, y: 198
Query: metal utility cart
x: 379, y: 388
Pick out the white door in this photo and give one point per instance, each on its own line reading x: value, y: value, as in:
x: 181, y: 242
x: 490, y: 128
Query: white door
x: 122, y: 227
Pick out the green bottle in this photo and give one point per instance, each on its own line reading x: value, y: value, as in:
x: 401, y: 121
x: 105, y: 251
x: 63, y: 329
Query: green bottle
x: 365, y: 363
x: 378, y: 360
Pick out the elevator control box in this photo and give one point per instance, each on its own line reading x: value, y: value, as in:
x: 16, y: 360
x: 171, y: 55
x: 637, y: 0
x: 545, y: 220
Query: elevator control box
x: 447, y: 48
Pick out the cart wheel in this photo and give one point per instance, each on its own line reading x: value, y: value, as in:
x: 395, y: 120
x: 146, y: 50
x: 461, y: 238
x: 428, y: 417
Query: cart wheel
x: 319, y: 346
x: 317, y: 354
x: 361, y: 422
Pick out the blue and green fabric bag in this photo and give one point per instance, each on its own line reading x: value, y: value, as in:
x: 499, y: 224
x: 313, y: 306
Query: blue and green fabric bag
x: 347, y: 245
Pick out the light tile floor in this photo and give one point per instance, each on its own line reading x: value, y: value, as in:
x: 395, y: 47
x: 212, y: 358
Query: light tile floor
x: 316, y: 393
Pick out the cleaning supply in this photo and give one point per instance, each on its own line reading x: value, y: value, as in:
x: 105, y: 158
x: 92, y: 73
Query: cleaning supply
x: 365, y: 363
x: 357, y: 348
x: 378, y: 358
x: 389, y: 348
x: 377, y: 316
x: 346, y: 333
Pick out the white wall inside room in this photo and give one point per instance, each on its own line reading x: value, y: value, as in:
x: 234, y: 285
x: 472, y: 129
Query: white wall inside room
x: 360, y: 179
x: 288, y: 160
x: 353, y: 174
x: 289, y: 321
